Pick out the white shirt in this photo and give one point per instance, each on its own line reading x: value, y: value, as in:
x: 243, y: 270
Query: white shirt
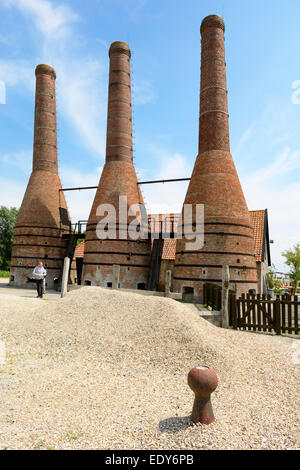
x: 40, y: 271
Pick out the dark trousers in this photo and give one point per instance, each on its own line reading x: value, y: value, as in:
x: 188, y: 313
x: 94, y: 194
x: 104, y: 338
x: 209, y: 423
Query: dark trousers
x: 39, y: 287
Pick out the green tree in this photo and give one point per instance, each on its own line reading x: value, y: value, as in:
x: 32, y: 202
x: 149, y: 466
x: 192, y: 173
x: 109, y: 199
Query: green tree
x: 292, y: 257
x: 273, y: 282
x: 7, y: 223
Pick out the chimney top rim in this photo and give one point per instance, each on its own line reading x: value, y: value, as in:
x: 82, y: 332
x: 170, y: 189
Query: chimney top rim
x: 120, y: 46
x: 46, y: 69
x: 212, y: 21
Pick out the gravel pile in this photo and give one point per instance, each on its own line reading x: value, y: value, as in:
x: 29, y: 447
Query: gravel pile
x: 104, y: 369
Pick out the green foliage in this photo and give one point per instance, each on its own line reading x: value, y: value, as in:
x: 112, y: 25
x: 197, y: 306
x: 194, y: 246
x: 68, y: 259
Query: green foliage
x: 4, y: 274
x: 79, y: 241
x: 273, y: 282
x: 278, y: 291
x: 7, y: 223
x: 292, y: 257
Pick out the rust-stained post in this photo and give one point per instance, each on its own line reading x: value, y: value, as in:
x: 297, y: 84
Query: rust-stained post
x: 168, y: 283
x: 116, y: 276
x: 203, y: 381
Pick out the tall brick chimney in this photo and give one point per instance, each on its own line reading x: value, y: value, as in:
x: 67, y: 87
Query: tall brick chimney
x: 118, y: 179
x: 43, y: 216
x: 228, y: 233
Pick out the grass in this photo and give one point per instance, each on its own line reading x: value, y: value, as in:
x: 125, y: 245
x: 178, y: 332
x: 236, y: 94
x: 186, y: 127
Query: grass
x: 4, y: 274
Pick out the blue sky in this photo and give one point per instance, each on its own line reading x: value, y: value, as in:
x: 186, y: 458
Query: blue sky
x: 262, y: 53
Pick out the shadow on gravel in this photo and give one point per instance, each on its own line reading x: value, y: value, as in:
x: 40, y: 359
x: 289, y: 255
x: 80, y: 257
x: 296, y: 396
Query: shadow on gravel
x: 174, y: 425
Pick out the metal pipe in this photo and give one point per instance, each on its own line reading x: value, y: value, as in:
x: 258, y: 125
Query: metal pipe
x: 139, y: 182
x: 164, y: 181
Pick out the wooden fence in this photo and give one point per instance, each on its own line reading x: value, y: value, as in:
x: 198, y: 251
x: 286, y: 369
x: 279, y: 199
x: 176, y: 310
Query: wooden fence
x: 254, y: 312
x: 261, y: 313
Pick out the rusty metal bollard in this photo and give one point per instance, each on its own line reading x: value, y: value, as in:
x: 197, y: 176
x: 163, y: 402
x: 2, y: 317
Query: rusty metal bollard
x: 203, y: 381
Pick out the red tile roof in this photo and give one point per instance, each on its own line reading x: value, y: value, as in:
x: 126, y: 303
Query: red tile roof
x: 79, y: 250
x: 258, y: 222
x: 169, y: 249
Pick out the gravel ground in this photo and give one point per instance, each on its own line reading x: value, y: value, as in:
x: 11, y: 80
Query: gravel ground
x: 104, y: 369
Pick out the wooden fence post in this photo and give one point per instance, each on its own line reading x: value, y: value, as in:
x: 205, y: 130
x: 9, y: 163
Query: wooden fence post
x: 233, y: 307
x: 65, y: 276
x: 116, y: 276
x: 225, y: 297
x: 277, y: 316
x: 296, y: 324
x: 168, y: 283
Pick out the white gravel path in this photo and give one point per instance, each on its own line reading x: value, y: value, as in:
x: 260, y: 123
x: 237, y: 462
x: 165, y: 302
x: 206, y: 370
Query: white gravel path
x: 104, y: 369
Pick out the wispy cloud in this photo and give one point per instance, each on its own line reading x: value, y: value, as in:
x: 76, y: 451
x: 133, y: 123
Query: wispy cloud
x: 52, y: 21
x: 79, y: 202
x: 284, y: 164
x: 81, y: 79
x: 17, y: 73
x: 243, y: 139
x: 81, y: 84
x: 133, y: 8
x: 83, y: 101
x: 169, y: 197
x: 12, y: 192
x: 268, y: 157
x: 276, y: 187
x: 143, y: 93
x: 21, y: 160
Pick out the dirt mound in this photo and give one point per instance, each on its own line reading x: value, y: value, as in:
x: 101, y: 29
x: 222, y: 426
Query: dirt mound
x: 108, y: 369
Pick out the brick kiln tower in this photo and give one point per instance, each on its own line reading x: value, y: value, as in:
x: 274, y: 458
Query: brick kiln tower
x: 43, y: 216
x: 118, y: 179
x: 228, y: 233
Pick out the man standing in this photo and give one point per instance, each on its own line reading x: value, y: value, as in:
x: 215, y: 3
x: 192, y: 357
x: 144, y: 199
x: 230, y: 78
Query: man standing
x: 40, y: 273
